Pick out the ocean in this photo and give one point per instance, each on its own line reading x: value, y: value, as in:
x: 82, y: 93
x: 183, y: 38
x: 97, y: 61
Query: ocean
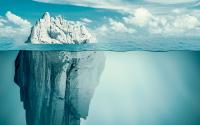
x: 144, y: 44
x: 136, y: 87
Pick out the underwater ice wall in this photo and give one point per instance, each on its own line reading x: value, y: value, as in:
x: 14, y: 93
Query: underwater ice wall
x: 56, y: 87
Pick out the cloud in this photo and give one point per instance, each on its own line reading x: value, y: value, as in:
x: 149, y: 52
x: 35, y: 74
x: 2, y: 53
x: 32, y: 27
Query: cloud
x: 113, y: 30
x: 171, y: 1
x: 16, y: 19
x: 197, y: 4
x: 1, y: 24
x: 125, y: 5
x: 86, y: 20
x: 119, y: 27
x: 104, y: 4
x: 141, y: 17
x: 163, y: 24
x: 2, y: 21
x: 14, y: 27
x: 143, y: 22
x: 113, y: 26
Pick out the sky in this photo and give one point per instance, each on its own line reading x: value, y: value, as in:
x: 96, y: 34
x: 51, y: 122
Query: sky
x: 108, y: 20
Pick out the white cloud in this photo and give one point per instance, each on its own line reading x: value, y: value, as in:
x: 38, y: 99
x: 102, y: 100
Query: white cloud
x: 86, y: 20
x: 14, y: 27
x: 171, y: 1
x: 186, y: 22
x: 103, y: 28
x: 163, y: 24
x: 113, y: 30
x: 2, y: 21
x: 177, y: 11
x: 101, y: 32
x: 119, y: 27
x: 197, y: 4
x: 141, y: 17
x: 113, y: 26
x: 1, y: 24
x: 16, y: 19
x: 126, y: 5
x: 143, y: 22
x: 105, y: 4
x: 179, y: 25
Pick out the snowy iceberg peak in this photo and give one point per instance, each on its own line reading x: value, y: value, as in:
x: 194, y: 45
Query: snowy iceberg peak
x: 46, y: 17
x: 57, y: 30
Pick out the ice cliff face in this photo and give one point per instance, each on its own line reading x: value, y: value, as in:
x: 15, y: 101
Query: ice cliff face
x: 50, y: 30
x: 56, y: 87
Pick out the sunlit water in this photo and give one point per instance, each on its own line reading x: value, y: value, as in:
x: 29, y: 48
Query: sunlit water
x: 141, y: 88
x: 144, y: 44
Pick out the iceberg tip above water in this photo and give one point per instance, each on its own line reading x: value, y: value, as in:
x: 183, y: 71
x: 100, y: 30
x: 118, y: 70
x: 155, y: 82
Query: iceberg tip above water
x: 57, y: 30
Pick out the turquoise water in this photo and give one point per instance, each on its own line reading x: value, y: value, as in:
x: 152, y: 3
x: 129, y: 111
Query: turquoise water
x: 136, y: 88
x: 135, y: 45
x: 149, y: 82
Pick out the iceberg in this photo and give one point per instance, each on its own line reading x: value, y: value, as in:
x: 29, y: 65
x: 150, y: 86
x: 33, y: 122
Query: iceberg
x: 50, y: 30
x: 56, y: 87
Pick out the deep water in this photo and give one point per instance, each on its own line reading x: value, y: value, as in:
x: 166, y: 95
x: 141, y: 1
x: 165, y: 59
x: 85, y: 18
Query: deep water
x: 136, y: 87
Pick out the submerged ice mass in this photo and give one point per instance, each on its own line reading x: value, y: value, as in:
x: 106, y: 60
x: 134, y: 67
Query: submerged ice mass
x: 56, y: 87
